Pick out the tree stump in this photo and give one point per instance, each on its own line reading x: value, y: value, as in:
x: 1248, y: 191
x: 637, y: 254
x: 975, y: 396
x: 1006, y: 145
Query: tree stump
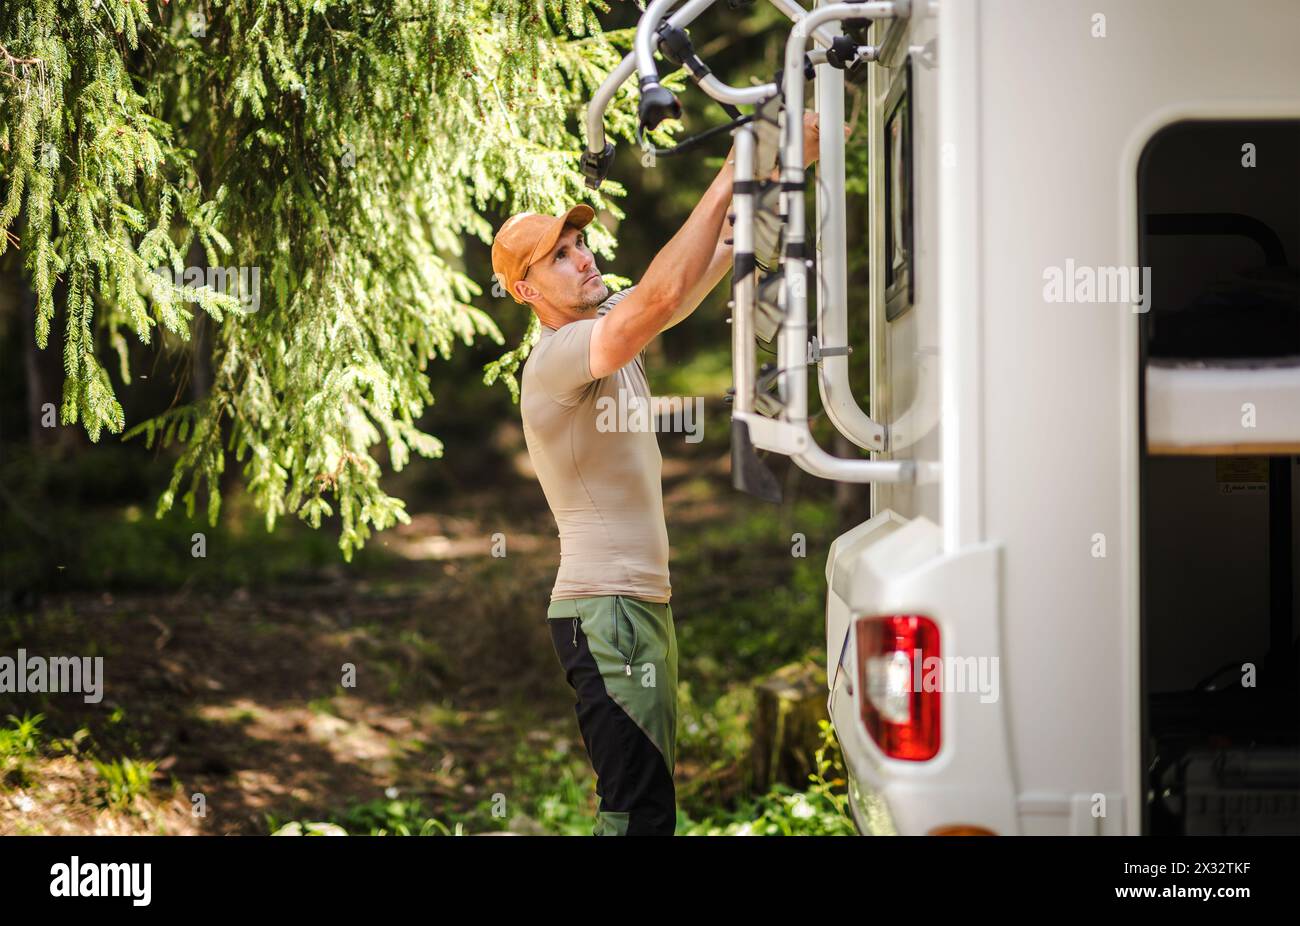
x: 788, y: 705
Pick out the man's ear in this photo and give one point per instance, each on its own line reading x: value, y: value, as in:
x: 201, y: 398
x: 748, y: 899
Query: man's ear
x: 526, y: 291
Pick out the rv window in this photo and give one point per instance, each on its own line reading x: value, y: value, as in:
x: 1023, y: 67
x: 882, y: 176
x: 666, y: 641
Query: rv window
x: 1220, y: 232
x: 898, y: 195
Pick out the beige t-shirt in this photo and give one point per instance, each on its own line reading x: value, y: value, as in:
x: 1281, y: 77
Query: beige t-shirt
x: 598, y: 462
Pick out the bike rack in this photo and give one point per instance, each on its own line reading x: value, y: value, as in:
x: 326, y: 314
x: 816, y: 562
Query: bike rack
x: 785, y: 428
x: 791, y: 434
x: 599, y: 154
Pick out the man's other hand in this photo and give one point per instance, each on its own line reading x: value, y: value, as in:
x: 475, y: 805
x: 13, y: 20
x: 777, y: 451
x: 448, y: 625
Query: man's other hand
x: 812, y: 137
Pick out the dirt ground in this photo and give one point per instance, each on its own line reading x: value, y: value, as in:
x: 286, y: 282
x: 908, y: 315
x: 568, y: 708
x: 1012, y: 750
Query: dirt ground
x: 237, y: 696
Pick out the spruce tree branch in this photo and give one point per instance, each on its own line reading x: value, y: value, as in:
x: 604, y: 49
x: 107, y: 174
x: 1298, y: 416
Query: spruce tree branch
x: 11, y: 60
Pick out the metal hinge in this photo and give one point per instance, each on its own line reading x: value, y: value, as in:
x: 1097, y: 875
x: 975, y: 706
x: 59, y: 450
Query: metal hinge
x: 816, y: 352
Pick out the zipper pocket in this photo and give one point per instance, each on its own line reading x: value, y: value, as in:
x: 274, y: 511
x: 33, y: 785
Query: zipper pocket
x: 627, y: 664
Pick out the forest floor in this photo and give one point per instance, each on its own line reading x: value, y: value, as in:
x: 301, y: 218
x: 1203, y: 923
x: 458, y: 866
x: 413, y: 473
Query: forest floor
x: 226, y: 710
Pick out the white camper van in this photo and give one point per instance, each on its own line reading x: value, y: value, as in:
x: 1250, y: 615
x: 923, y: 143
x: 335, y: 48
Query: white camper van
x: 1074, y: 609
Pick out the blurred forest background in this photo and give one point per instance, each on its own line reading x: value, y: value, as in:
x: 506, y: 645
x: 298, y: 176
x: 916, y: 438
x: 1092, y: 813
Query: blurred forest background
x: 223, y: 670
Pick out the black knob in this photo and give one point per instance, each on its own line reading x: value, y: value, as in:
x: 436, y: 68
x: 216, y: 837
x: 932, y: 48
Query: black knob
x: 657, y: 104
x: 595, y: 167
x: 842, y: 52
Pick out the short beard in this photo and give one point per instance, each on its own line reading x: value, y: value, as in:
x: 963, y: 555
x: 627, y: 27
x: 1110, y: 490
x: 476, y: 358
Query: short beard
x: 590, y: 302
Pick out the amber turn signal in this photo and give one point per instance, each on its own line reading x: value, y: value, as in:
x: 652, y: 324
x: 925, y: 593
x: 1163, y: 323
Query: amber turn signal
x: 960, y: 829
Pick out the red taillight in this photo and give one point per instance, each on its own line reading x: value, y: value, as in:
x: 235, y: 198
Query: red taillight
x: 902, y: 718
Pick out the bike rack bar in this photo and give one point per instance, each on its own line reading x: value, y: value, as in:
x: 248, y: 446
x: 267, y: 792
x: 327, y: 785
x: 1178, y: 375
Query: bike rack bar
x: 743, y: 282
x: 837, y: 396
x: 599, y: 153
x: 792, y: 344
x: 648, y: 26
x: 748, y: 473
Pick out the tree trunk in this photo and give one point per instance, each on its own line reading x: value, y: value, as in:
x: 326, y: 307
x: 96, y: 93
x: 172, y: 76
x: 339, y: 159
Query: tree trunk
x: 788, y: 705
x: 36, y: 396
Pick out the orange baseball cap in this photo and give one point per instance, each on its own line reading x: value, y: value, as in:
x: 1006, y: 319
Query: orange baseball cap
x: 527, y: 237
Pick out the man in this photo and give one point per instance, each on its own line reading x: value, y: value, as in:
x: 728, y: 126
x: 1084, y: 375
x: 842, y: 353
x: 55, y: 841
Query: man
x: 610, y: 619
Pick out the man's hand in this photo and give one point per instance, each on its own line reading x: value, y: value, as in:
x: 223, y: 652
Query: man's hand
x: 812, y: 136
x: 811, y: 139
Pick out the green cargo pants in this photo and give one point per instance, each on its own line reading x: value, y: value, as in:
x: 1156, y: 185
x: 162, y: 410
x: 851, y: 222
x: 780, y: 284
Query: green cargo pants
x: 619, y: 654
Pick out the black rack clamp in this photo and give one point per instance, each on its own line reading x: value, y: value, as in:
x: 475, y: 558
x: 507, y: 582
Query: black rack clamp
x: 595, y: 167
x: 657, y: 104
x: 676, y: 48
x: 847, y: 54
x: 842, y: 53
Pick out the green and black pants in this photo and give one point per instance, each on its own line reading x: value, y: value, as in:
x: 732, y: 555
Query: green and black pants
x: 619, y: 654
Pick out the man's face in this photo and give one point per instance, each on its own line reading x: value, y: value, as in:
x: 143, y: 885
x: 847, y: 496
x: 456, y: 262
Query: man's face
x: 567, y: 279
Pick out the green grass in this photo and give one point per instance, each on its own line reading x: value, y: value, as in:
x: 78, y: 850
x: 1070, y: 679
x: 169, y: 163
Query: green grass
x: 731, y: 636
x: 553, y: 788
x: 123, y: 780
x: 820, y: 810
x: 555, y: 794
x: 389, y: 817
x: 19, y: 747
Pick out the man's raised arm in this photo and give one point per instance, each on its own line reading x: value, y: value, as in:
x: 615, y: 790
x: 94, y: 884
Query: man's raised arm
x: 683, y: 272
x: 723, y: 252
x: 673, y: 276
